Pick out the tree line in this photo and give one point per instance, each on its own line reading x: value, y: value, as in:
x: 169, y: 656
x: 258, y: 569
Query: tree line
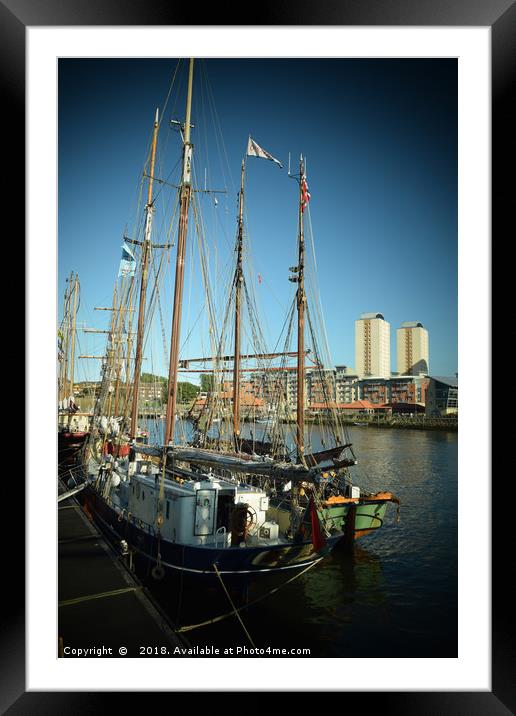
x: 186, y: 391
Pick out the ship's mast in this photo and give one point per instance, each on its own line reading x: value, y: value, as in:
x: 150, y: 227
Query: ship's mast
x: 62, y: 369
x: 128, y: 356
x: 301, y: 301
x: 118, y: 350
x: 239, y: 279
x: 143, y: 285
x: 111, y: 356
x: 66, y: 341
x: 74, y: 325
x: 185, y: 195
x: 299, y: 278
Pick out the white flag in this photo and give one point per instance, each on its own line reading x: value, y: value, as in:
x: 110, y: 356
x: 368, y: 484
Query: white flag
x: 254, y: 150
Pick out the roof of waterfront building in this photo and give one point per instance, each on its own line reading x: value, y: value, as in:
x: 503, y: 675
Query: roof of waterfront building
x: 372, y: 315
x: 453, y: 381
x: 412, y: 324
x: 404, y: 406
x: 355, y: 405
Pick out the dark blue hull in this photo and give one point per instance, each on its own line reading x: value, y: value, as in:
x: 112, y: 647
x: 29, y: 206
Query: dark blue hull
x: 201, y: 560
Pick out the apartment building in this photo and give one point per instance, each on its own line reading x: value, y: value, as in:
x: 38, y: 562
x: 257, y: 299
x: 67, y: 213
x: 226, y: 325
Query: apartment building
x: 372, y: 346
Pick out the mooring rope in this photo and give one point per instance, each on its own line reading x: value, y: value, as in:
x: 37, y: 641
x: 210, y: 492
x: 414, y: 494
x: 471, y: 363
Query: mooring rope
x: 190, y: 627
x: 234, y: 608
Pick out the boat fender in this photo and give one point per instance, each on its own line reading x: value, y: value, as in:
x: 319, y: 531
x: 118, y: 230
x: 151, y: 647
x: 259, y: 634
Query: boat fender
x: 158, y: 572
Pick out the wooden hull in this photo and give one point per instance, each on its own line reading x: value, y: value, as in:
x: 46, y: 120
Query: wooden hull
x: 368, y: 516
x: 69, y: 444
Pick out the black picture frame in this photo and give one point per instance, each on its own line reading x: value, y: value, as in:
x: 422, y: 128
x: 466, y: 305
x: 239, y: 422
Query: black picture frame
x: 500, y: 16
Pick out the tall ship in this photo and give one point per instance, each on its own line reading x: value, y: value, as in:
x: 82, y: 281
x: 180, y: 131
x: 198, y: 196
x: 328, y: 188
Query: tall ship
x: 244, y: 492
x: 72, y: 425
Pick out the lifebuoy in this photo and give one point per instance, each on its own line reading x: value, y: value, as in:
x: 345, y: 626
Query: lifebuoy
x: 158, y: 572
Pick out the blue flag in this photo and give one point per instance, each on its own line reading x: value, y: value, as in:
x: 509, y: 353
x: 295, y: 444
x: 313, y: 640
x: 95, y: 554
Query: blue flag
x: 127, y: 262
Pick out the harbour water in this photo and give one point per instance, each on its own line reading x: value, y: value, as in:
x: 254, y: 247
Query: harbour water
x: 396, y: 596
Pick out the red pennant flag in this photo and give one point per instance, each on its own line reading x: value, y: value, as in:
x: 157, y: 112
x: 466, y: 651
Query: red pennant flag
x: 305, y: 195
x: 318, y: 540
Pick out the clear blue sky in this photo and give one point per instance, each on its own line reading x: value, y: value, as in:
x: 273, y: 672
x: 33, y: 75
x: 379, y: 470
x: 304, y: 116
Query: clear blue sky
x: 380, y: 137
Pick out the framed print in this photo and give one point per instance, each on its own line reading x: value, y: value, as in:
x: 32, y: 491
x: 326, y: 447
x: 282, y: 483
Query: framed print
x: 46, y: 55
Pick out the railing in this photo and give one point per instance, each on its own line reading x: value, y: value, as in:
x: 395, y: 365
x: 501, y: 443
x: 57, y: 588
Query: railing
x: 222, y: 532
x: 128, y: 516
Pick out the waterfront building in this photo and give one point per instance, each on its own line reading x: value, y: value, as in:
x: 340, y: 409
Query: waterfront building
x: 412, y: 349
x: 374, y: 390
x: 356, y: 407
x: 359, y: 407
x: 372, y: 346
x: 86, y: 387
x: 249, y: 390
x: 250, y: 395
x: 321, y: 385
x: 266, y: 386
x: 346, y: 384
x: 272, y: 386
x: 288, y: 385
x: 442, y: 396
x: 410, y: 409
x: 150, y: 392
x: 338, y: 386
x: 406, y: 389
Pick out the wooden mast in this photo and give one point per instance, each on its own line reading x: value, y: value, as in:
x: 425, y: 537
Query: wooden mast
x: 143, y: 285
x: 295, y: 518
x: 66, y: 341
x: 239, y: 279
x: 301, y: 301
x: 128, y: 356
x: 62, y: 368
x: 74, y: 324
x: 185, y: 195
x: 111, y: 350
x: 119, y: 326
